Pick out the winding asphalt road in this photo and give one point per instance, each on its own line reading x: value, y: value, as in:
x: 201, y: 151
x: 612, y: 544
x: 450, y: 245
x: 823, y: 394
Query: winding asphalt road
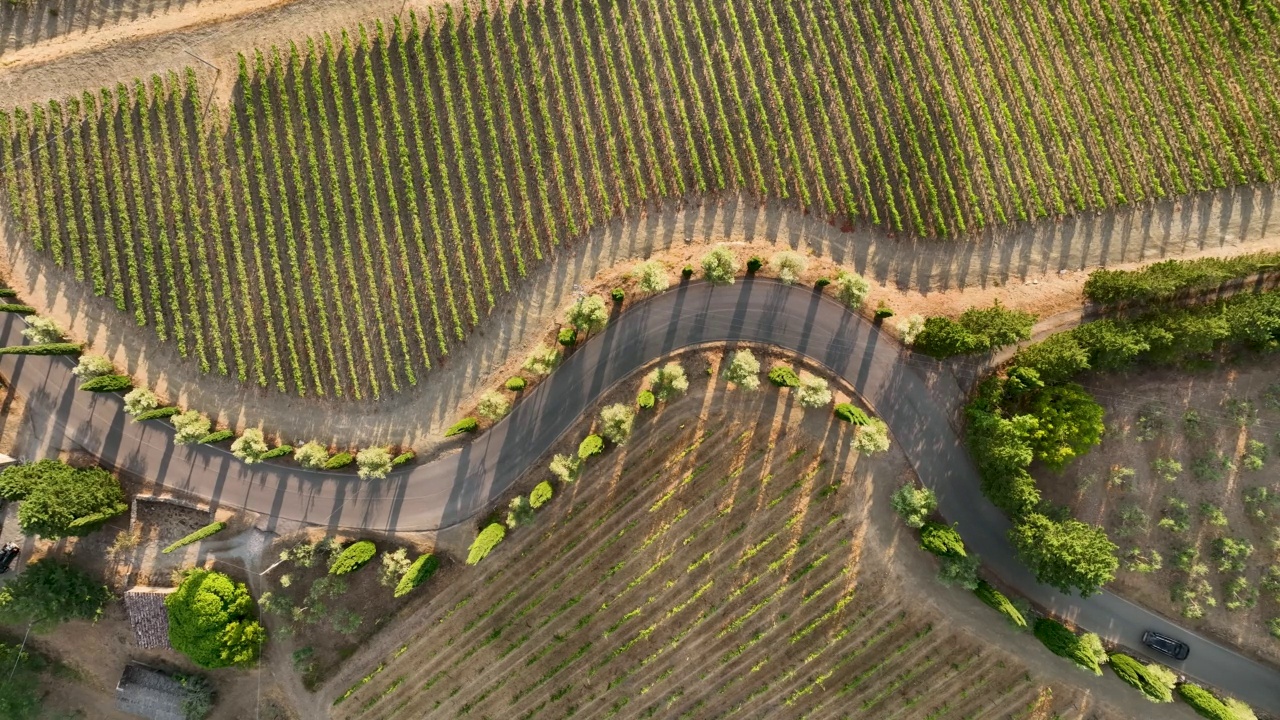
x: 918, y: 399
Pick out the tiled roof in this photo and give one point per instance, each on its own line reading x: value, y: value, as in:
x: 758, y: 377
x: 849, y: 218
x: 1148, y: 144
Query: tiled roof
x: 148, y: 616
x: 149, y: 693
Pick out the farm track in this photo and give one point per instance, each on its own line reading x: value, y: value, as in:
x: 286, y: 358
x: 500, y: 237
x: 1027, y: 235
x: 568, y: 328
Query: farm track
x: 514, y: 137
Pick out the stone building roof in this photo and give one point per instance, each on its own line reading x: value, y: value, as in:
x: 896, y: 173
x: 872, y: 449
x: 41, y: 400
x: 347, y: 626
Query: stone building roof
x: 150, y: 693
x: 148, y: 616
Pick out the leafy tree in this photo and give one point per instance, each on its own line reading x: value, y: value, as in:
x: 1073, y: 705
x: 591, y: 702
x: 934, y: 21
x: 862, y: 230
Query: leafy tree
x: 1061, y: 641
x: 191, y: 427
x: 1066, y: 555
x: 872, y: 438
x: 197, y: 696
x: 493, y: 405
x: 211, y: 620
x: 941, y: 540
x: 997, y: 600
x: 788, y: 266
x: 519, y: 512
x: 542, y: 360
x: 909, y: 328
x: 1055, y: 359
x: 311, y: 455
x: 59, y: 500
x: 566, y: 467
x: 743, y: 370
x: 719, y: 266
x: 959, y: 571
x: 616, y: 422
x: 1154, y: 681
x: 914, y: 504
x: 813, y: 391
x: 1069, y: 422
x: 652, y: 277
x: 851, y: 289
x: 42, y: 330
x: 140, y: 400
x: 998, y: 325
x: 667, y: 381
x: 1231, y: 553
x: 541, y: 494
x: 943, y: 337
x: 588, y: 314
x: 92, y: 366
x: 373, y: 463
x: 251, y: 446
x: 1111, y: 344
x: 49, y: 592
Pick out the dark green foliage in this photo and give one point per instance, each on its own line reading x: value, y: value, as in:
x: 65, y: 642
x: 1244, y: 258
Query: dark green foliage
x: 941, y: 540
x: 516, y: 384
x: 49, y: 592
x: 783, y: 376
x: 1111, y: 344
x: 883, y: 313
x: 997, y: 600
x: 353, y: 557
x: 198, y: 696
x: 339, y: 461
x: 15, y: 308
x: 465, y: 425
x: 850, y: 414
x: 419, y: 572
x: 590, y: 446
x: 218, y: 436
x: 197, y: 536
x: 278, y: 452
x: 20, y: 693
x: 60, y: 348
x: 1055, y: 360
x: 686, y: 272
x: 977, y: 330
x: 567, y: 337
x: 1061, y: 641
x: 1166, y: 280
x: 56, y: 495
x: 485, y: 542
x: 1069, y: 423
x: 541, y: 495
x: 403, y: 458
x: 89, y: 523
x: 1066, y: 555
x: 617, y: 295
x: 8, y: 293
x: 645, y: 399
x: 157, y: 414
x: 754, y: 264
x: 1138, y: 675
x: 821, y: 282
x: 211, y: 620
x: 108, y: 383
x: 1204, y: 703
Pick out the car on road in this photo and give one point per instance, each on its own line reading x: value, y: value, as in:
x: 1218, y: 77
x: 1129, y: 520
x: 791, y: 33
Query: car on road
x: 7, y: 554
x: 1166, y: 645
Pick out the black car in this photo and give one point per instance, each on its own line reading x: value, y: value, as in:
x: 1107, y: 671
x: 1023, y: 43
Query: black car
x: 1166, y: 645
x: 7, y: 554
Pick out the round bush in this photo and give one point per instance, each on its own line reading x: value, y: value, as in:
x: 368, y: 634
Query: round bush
x: 686, y: 272
x: 590, y: 446
x: 645, y: 399
x: 617, y: 295
x: 211, y: 620
x: 541, y: 494
x: 754, y: 263
x: 353, y: 557
x: 567, y: 337
x: 515, y: 384
x: 783, y: 376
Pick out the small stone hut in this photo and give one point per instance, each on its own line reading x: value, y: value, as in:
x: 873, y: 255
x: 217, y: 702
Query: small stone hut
x: 148, y: 616
x: 150, y: 693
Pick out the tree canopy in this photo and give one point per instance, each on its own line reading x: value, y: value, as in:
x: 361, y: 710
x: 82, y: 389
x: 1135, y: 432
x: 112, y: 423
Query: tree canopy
x: 588, y: 314
x: 49, y: 592
x: 1066, y: 555
x: 211, y: 620
x: 59, y: 500
x: 1069, y: 422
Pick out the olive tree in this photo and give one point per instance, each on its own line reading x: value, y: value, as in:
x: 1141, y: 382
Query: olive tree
x: 311, y: 455
x: 667, y: 381
x: 566, y: 467
x: 653, y: 277
x: 251, y: 446
x: 872, y: 438
x: 851, y: 289
x: 909, y: 328
x: 813, y: 392
x: 373, y: 463
x: 190, y: 426
x: 588, y: 314
x: 616, y: 422
x: 92, y: 366
x: 542, y: 360
x: 140, y: 400
x: 788, y: 266
x: 914, y: 504
x: 744, y: 370
x: 719, y: 266
x: 42, y: 330
x: 493, y: 405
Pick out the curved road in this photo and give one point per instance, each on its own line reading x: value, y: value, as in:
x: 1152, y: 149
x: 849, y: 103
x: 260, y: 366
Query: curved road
x: 916, y: 397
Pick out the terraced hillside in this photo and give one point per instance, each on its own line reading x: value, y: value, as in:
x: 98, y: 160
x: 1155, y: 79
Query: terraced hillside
x: 368, y: 197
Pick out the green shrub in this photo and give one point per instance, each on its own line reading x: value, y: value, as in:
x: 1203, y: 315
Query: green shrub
x: 156, y: 414
x: 251, y: 446
x: 515, y: 384
x: 217, y: 436
x: 686, y: 272
x: 883, y: 313
x: 821, y: 282
x: 1061, y: 641
x: 645, y: 400
x: 58, y: 348
x: 1165, y: 280
x: 485, y: 542
x: 353, y: 557
x: 941, y: 540
x: 197, y: 536
x: 850, y: 414
x: 1154, y: 682
x: 617, y: 295
x: 1204, y: 703
x: 997, y: 600
x: 55, y: 496
x: 754, y: 263
x: 977, y: 330
x: 107, y: 383
x: 15, y: 308
x: 277, y: 452
x: 419, y: 572
x: 784, y: 376
x: 8, y: 292
x: 404, y: 457
x: 590, y: 446
x: 189, y: 427
x: 48, y: 592
x: 567, y: 337
x: 89, y: 523
x: 339, y: 461
x: 914, y: 505
x: 541, y: 494
x: 465, y: 425
x: 667, y: 381
x: 211, y: 620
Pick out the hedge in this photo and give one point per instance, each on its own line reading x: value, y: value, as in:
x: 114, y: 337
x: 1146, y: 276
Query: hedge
x: 197, y: 536
x: 8, y: 292
x: 977, y: 330
x: 516, y: 384
x: 591, y: 445
x: 783, y: 376
x: 1165, y: 280
x: 108, y: 383
x: 339, y: 461
x: 16, y: 308
x: 90, y: 522
x: 156, y: 414
x: 645, y: 399
x: 1062, y: 641
x: 217, y: 436
x: 402, y: 458
x: 465, y: 425
x: 541, y: 494
x: 277, y: 452
x: 1204, y: 703
x: 486, y: 541
x: 60, y: 348
x: 353, y: 557
x: 850, y: 414
x: 941, y: 540
x: 1141, y: 677
x: 419, y: 572
x: 997, y: 600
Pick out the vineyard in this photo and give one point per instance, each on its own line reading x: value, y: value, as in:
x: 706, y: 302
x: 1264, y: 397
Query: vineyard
x: 368, y: 197
x: 714, y: 570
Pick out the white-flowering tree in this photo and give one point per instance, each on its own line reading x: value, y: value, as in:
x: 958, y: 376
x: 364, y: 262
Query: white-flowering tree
x: 394, y: 566
x: 743, y: 370
x: 373, y: 463
x: 872, y: 438
x: 140, y: 400
x: 668, y: 381
x: 566, y: 467
x: 493, y: 405
x: 251, y: 446
x: 788, y: 266
x: 652, y: 277
x: 719, y: 266
x: 909, y: 328
x: 519, y: 512
x: 311, y: 455
x: 616, y: 422
x: 542, y: 360
x: 41, y: 330
x: 813, y: 391
x: 190, y: 426
x: 850, y: 288
x: 914, y: 504
x: 588, y: 314
x: 92, y: 366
